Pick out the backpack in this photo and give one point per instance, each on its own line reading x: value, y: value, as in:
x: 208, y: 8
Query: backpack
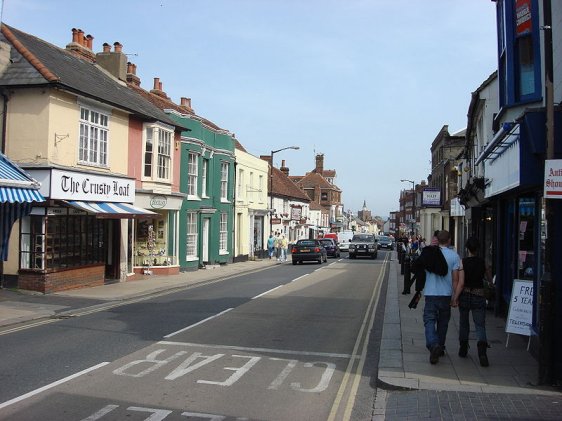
x: 432, y: 260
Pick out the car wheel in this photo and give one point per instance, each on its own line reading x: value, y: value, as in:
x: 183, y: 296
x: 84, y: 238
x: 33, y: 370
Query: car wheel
x: 325, y: 259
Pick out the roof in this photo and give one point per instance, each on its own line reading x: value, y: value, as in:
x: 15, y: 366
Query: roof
x: 313, y: 179
x: 35, y: 62
x: 283, y: 186
x: 239, y: 146
x: 16, y: 186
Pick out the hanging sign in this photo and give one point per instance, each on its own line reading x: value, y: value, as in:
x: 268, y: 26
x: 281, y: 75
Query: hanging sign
x: 520, y: 316
x: 553, y: 179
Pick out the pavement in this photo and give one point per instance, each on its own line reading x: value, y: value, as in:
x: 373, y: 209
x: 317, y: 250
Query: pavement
x: 403, y: 359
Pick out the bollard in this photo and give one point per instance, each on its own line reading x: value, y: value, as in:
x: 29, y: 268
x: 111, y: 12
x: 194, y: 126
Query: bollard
x: 407, y: 275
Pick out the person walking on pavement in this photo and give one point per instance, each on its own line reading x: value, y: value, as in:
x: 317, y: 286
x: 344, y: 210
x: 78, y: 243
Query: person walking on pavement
x: 284, y: 246
x: 471, y: 298
x: 440, y: 294
x: 270, y: 245
x: 278, y: 246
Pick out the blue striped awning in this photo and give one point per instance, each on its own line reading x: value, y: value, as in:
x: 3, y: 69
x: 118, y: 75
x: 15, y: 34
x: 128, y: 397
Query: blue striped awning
x: 19, y: 195
x: 110, y: 209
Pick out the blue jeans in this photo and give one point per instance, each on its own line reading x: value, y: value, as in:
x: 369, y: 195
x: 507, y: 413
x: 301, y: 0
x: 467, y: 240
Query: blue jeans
x: 436, y: 316
x: 470, y: 302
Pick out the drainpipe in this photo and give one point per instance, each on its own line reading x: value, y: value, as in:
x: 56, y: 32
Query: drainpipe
x: 3, y: 150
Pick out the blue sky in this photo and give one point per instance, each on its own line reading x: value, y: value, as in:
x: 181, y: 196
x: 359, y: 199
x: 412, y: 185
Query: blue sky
x: 368, y: 83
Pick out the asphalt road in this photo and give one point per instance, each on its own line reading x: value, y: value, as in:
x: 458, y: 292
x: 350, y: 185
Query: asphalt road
x: 286, y: 343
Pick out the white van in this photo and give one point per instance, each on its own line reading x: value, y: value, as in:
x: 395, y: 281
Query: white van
x: 344, y: 238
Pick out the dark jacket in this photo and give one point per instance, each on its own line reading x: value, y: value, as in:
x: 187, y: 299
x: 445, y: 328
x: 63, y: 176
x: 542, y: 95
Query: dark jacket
x: 432, y: 260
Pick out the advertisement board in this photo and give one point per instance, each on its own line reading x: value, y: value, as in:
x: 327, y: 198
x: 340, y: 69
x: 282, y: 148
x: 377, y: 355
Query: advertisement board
x: 431, y: 197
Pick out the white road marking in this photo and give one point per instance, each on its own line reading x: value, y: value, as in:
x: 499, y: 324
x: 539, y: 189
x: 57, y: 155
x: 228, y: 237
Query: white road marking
x: 266, y: 292
x: 50, y: 386
x: 267, y: 350
x: 198, y: 323
x: 300, y: 277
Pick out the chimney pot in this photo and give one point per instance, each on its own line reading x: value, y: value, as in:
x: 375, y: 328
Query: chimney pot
x: 117, y: 47
x: 159, y: 86
x: 156, y: 83
x: 106, y: 47
x: 89, y: 41
x: 75, y: 35
x: 129, y: 67
x: 186, y: 102
x: 80, y: 35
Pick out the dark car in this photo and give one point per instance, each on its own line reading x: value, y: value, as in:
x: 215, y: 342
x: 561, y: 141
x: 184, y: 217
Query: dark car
x: 308, y: 250
x: 363, y: 245
x: 332, y: 249
x: 385, y: 242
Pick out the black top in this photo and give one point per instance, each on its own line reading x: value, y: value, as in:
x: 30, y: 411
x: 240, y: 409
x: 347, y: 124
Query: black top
x: 474, y: 271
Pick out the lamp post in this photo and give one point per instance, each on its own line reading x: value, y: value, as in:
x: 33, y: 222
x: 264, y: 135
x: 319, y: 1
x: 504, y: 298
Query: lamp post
x: 271, y: 183
x: 413, y: 204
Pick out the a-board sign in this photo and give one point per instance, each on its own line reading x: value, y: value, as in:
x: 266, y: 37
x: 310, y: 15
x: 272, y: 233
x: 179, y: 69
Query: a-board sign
x: 520, y: 316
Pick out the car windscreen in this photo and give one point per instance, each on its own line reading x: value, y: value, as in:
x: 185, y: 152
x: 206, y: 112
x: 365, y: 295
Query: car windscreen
x: 327, y: 242
x: 363, y: 238
x: 310, y: 243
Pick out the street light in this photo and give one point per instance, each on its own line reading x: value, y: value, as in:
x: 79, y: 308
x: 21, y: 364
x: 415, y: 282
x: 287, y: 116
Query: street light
x: 271, y: 183
x: 413, y: 204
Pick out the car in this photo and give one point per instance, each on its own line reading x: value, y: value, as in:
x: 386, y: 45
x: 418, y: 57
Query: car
x: 385, y: 242
x: 344, y: 245
x: 331, y: 247
x: 363, y: 245
x: 308, y: 250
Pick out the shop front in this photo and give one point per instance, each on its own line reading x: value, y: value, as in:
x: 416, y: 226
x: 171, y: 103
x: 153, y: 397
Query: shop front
x: 79, y: 237
x: 154, y: 246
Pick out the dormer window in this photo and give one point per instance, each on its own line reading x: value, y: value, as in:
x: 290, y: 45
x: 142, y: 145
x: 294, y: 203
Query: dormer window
x: 157, y: 152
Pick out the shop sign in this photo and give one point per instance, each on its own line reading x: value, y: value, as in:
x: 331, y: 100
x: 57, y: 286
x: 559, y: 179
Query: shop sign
x: 553, y: 179
x: 296, y: 213
x: 275, y: 220
x: 56, y: 211
x: 520, y: 315
x: 431, y: 197
x: 523, y: 17
x: 70, y: 185
x: 158, y: 202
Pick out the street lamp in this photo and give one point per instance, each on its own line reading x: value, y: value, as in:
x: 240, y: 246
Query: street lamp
x: 413, y: 203
x: 271, y: 183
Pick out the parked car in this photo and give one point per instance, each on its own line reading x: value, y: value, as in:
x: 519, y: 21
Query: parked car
x: 308, y: 250
x: 385, y: 242
x: 344, y: 245
x: 363, y: 245
x: 331, y: 247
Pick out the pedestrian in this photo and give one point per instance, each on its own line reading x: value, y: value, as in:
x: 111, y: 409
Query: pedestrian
x: 471, y: 298
x: 278, y: 246
x: 284, y: 247
x: 440, y: 294
x: 434, y: 240
x: 270, y: 245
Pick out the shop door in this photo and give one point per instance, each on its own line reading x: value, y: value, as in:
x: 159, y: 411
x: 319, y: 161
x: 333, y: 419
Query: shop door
x: 113, y: 240
x: 205, y: 237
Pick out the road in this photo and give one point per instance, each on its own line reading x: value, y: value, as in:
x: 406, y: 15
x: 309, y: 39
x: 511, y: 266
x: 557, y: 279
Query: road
x: 286, y: 343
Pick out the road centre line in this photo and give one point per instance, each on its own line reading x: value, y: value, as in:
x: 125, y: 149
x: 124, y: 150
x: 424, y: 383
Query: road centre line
x: 50, y: 386
x: 266, y: 292
x: 357, y: 375
x: 266, y: 350
x: 198, y: 323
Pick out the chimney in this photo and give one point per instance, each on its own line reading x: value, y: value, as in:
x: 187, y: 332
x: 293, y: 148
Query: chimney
x: 132, y: 74
x: 185, y: 105
x: 157, y: 90
x: 114, y: 62
x: 81, y: 46
x: 319, y: 164
x: 283, y: 168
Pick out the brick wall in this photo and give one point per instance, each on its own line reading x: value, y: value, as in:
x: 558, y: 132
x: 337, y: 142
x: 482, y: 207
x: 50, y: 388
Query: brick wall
x: 62, y: 280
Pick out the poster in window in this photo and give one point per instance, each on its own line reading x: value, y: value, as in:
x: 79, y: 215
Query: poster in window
x: 523, y: 20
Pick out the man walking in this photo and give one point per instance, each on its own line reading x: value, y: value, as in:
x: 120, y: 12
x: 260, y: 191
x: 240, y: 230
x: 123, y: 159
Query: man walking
x: 440, y: 295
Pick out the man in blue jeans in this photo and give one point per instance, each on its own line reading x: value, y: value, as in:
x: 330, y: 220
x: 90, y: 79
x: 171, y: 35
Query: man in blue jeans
x: 439, y: 298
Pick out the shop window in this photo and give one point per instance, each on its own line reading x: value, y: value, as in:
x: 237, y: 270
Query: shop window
x: 62, y: 241
x: 151, y: 242
x: 526, y: 249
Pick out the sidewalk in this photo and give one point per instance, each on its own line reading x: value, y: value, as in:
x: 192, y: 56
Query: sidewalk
x: 404, y: 359
x: 21, y: 306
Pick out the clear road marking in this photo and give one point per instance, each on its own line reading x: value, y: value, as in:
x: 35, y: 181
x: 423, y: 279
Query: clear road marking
x: 300, y: 277
x: 357, y: 375
x: 50, y: 386
x: 266, y: 350
x: 198, y: 323
x: 267, y: 292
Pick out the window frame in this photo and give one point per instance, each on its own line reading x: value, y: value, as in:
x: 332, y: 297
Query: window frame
x: 162, y: 157
x: 191, y: 236
x: 192, y: 174
x: 204, y: 177
x: 223, y: 233
x: 98, y: 146
x: 225, y: 170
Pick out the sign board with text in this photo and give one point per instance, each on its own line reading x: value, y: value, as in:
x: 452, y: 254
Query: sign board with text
x: 520, y: 316
x: 431, y: 197
x: 553, y: 179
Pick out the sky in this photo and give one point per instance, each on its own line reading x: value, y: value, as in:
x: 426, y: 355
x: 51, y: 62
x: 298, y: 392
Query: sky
x: 367, y: 83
